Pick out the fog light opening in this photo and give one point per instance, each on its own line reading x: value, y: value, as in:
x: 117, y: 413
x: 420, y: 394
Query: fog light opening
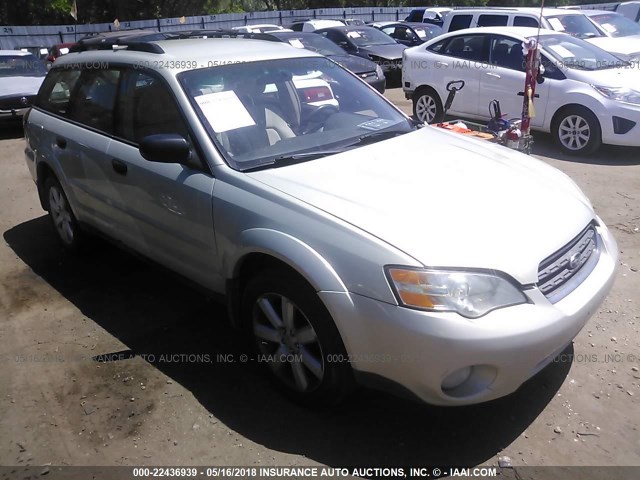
x: 456, y: 378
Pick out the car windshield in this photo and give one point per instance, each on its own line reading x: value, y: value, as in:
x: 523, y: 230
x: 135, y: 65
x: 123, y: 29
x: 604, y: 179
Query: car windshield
x: 428, y: 31
x: 313, y: 42
x: 577, y: 54
x: 616, y: 25
x: 369, y: 36
x: 21, y: 66
x: 264, y: 114
x: 575, y: 25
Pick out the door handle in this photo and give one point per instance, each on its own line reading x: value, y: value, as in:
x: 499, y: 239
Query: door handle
x: 61, y: 142
x: 494, y: 75
x: 119, y: 166
x: 441, y: 64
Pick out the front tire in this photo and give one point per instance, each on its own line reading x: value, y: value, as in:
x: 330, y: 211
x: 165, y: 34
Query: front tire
x: 427, y: 106
x: 577, y: 131
x: 296, y: 338
x: 62, y: 218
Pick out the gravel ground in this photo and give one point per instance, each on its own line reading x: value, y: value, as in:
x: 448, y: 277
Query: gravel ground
x: 60, y: 406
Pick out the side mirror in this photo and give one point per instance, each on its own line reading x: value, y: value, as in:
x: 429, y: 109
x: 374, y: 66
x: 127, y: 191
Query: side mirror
x: 165, y: 148
x: 540, y: 78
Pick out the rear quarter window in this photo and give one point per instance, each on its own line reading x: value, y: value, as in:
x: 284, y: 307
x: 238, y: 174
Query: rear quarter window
x: 55, y: 94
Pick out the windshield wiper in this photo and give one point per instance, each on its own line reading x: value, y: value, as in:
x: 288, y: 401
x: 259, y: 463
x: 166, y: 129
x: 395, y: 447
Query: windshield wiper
x: 375, y: 137
x: 286, y: 160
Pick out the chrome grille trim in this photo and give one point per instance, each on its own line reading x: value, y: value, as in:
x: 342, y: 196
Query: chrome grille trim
x: 562, y: 272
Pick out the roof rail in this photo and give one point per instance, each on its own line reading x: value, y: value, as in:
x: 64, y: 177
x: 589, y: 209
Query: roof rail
x: 148, y: 47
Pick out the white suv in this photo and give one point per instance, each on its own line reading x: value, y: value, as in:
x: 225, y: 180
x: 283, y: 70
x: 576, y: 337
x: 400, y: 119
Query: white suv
x: 351, y: 245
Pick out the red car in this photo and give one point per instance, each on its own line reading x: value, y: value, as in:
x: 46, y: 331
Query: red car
x: 58, y: 50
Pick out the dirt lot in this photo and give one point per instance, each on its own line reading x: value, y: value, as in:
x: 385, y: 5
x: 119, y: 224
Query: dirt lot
x: 61, y: 406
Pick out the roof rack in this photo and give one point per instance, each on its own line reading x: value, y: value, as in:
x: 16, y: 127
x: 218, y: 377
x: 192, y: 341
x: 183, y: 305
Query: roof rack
x: 148, y: 47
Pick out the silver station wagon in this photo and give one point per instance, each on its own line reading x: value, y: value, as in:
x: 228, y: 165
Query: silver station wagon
x: 354, y: 245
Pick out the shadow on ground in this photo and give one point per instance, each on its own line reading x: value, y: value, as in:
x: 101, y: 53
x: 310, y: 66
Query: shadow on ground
x: 152, y: 311
x: 10, y: 130
x: 605, y: 155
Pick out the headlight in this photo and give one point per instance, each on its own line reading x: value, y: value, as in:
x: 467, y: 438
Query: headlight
x: 471, y: 294
x: 621, y: 94
x: 379, y: 71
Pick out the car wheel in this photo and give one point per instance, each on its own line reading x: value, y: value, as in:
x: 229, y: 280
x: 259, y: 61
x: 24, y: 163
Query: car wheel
x: 296, y: 338
x: 427, y: 106
x: 577, y: 131
x: 62, y: 218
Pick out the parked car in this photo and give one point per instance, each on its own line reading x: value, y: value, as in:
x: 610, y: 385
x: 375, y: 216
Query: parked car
x: 433, y: 15
x: 309, y: 226
x: 370, y: 43
x: 369, y: 71
x: 349, y: 21
x: 573, y: 22
x: 587, y: 96
x: 630, y: 10
x: 312, y: 25
x: 617, y: 28
x: 21, y: 75
x: 57, y: 51
x: 408, y: 34
x: 260, y: 28
x: 40, y: 52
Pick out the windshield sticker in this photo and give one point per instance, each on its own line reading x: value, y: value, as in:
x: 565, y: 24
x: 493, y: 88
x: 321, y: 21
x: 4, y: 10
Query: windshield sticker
x: 224, y: 111
x: 377, y: 124
x: 294, y: 42
x: 556, y: 24
x: 562, y: 51
x: 608, y: 27
x: 353, y: 34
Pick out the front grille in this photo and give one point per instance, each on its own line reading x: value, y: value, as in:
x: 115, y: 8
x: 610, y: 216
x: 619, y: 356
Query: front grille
x: 560, y: 273
x: 15, y: 102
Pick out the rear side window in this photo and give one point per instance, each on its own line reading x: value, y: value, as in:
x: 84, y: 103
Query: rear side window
x: 468, y: 47
x: 458, y: 22
x: 55, y: 94
x: 520, y: 21
x: 147, y: 107
x: 94, y: 101
x: 437, y: 47
x: 492, y: 20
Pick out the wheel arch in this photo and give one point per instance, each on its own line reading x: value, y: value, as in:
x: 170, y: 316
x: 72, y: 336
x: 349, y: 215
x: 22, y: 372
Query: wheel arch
x: 267, y: 248
x: 43, y: 172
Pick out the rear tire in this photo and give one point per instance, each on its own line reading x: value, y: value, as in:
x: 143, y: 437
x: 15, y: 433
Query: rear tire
x: 577, y: 131
x: 427, y: 106
x: 62, y: 218
x: 296, y: 339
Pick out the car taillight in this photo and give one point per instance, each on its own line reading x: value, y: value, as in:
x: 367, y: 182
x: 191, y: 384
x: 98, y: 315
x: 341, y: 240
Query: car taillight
x: 316, y: 94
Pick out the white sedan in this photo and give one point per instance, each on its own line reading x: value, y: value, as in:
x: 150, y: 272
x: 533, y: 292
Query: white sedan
x: 585, y: 97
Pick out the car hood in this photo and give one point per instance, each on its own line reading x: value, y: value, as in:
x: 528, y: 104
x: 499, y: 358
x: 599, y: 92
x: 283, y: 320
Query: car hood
x: 445, y: 200
x: 20, y: 85
x: 610, y: 77
x: 392, y: 51
x: 354, y: 64
x: 618, y: 45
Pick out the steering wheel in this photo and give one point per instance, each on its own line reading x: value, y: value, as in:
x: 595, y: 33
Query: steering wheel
x: 316, y: 118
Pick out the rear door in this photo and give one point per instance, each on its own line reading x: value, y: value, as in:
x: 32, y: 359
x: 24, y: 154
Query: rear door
x: 168, y: 206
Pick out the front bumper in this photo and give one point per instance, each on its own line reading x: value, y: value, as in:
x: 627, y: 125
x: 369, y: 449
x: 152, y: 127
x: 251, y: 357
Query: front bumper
x: 620, y: 124
x: 417, y: 350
